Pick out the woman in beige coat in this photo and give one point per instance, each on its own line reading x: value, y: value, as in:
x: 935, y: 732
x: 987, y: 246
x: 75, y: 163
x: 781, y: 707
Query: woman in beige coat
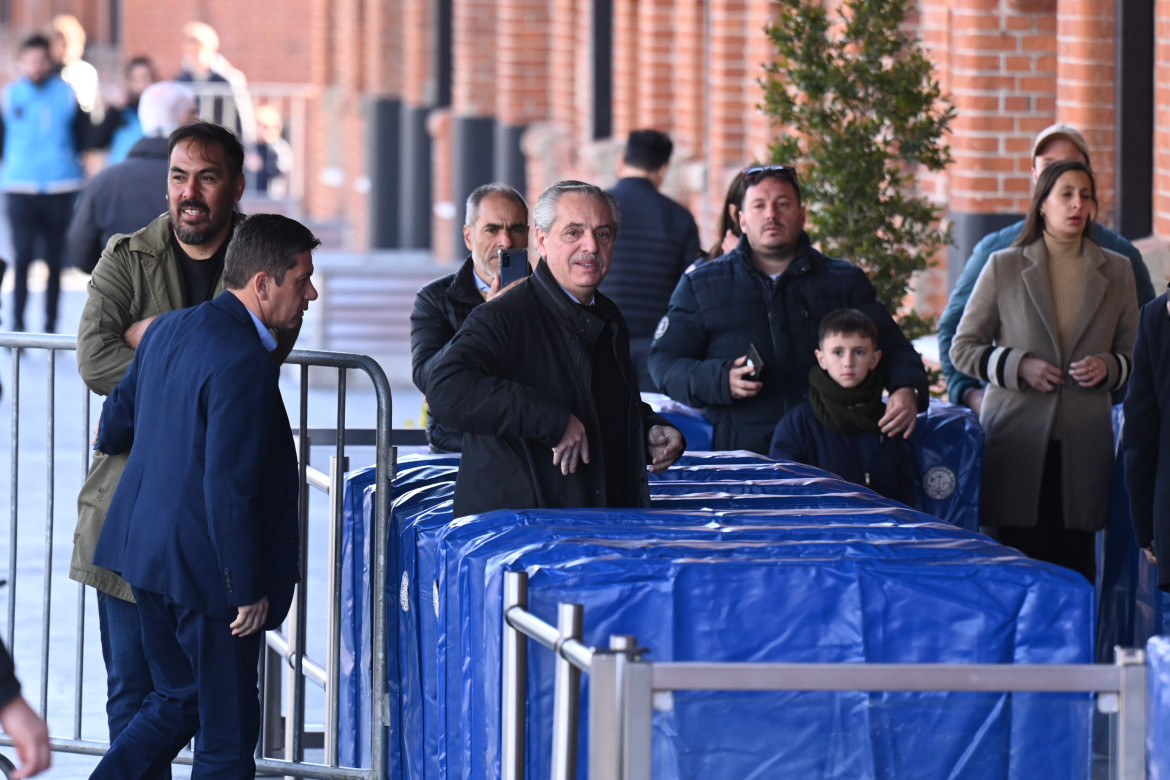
x: 1050, y: 328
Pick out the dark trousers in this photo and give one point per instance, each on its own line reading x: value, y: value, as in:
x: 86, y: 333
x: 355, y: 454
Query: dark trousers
x: 1049, y: 540
x: 128, y: 680
x: 33, y: 217
x: 205, y: 680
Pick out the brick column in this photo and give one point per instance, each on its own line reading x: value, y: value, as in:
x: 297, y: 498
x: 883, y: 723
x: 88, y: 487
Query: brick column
x: 1085, y: 85
x: 626, y: 42
x: 1162, y: 120
x: 688, y: 76
x: 655, y: 62
x: 419, y: 96
x: 522, y: 84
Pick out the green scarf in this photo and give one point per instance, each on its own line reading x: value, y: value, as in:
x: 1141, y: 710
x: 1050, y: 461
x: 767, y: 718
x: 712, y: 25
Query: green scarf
x: 846, y: 410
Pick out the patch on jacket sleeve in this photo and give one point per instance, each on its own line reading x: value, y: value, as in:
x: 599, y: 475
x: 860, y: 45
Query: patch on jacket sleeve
x: 663, y: 324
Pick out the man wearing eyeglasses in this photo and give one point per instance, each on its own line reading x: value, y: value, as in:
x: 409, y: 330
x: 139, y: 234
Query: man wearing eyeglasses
x: 770, y: 293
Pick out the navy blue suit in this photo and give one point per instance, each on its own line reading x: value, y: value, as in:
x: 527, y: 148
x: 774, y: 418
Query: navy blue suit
x: 204, y: 520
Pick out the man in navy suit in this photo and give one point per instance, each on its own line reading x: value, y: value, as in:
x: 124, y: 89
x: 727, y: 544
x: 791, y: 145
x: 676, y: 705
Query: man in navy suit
x: 203, y: 524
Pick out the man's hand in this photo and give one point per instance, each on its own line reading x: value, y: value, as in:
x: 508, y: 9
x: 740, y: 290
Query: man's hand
x: 573, y: 448
x: 250, y: 618
x: 901, y: 413
x: 1089, y: 371
x: 495, y: 290
x: 1041, y: 374
x: 973, y: 399
x: 30, y: 735
x: 1149, y: 551
x: 666, y: 444
x: 741, y: 387
x: 134, y: 332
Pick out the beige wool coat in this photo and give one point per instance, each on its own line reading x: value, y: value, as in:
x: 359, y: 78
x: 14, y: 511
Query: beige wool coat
x: 1010, y: 316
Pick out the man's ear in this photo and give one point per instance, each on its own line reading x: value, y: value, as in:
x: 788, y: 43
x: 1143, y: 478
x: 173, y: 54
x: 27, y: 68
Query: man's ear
x: 467, y: 236
x: 821, y: 360
x: 261, y: 285
x: 875, y: 358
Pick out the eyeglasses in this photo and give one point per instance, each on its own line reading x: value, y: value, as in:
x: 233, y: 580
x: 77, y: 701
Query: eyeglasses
x: 752, y: 175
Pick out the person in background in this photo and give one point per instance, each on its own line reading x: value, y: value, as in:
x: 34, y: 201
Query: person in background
x: 727, y: 230
x: 272, y: 160
x: 1050, y: 328
x: 1057, y: 142
x: 67, y: 45
x: 496, y: 218
x: 129, y: 195
x: 121, y: 129
x: 659, y: 240
x: 837, y: 429
x: 42, y: 131
x: 220, y: 87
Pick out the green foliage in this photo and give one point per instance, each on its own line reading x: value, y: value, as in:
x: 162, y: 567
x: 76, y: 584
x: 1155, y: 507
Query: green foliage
x: 862, y: 114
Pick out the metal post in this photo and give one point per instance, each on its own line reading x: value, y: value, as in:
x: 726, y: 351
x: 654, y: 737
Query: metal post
x: 337, y: 468
x: 566, y: 696
x: 1131, y: 716
x: 50, y: 495
x: 514, y: 693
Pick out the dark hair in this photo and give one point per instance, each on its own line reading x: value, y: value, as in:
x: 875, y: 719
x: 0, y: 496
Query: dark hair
x: 726, y: 222
x: 544, y: 213
x: 648, y: 150
x: 268, y: 243
x: 846, y: 322
x: 141, y: 61
x: 1034, y: 222
x: 206, y: 134
x: 35, y: 41
x: 757, y: 173
x: 471, y: 212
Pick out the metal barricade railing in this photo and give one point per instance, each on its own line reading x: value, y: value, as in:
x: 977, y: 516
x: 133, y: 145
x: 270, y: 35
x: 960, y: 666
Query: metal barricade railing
x: 283, y: 738
x: 623, y: 686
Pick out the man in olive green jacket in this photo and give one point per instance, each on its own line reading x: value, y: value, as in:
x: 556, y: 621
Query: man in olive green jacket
x: 174, y: 262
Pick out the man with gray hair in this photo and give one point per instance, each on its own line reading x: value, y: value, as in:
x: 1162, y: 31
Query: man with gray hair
x: 541, y: 383
x: 119, y: 200
x: 496, y: 218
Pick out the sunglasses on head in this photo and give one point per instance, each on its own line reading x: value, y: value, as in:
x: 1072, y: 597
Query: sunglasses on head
x: 754, y: 174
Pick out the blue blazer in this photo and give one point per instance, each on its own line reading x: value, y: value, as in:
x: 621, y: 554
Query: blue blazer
x: 206, y: 510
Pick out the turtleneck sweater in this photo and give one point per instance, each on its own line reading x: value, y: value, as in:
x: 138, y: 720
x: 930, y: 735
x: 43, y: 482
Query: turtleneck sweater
x: 1066, y: 276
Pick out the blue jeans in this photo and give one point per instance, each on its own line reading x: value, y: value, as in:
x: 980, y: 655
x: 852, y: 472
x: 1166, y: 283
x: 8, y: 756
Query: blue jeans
x: 128, y: 680
x: 206, y: 681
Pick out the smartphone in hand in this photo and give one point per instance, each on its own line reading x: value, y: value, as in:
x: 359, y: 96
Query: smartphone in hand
x: 756, y: 362
x: 513, y: 266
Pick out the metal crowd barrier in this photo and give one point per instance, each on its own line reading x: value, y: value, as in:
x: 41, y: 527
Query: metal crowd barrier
x: 284, y: 738
x: 623, y: 685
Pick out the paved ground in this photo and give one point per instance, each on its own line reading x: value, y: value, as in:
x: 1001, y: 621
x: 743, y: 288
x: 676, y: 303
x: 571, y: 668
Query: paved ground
x: 44, y: 523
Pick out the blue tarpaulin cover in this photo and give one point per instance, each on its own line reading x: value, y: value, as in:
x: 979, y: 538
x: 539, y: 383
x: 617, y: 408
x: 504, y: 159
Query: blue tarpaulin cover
x: 1158, y: 708
x: 741, y: 559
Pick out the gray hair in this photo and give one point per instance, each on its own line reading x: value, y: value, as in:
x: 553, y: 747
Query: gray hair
x: 471, y: 212
x: 544, y: 213
x: 165, y: 106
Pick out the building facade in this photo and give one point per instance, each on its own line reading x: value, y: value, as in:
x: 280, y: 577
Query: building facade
x: 413, y: 103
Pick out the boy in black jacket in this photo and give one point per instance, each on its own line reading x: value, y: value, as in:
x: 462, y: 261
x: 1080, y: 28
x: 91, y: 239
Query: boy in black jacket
x: 837, y: 429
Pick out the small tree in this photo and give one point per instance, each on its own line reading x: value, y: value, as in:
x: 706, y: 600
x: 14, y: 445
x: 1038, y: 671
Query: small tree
x: 861, y: 113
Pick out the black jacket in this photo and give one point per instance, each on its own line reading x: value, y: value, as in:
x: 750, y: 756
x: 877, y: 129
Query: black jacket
x: 722, y: 307
x: 439, y: 311
x: 123, y: 198
x: 883, y: 464
x: 511, y: 379
x: 1146, y: 435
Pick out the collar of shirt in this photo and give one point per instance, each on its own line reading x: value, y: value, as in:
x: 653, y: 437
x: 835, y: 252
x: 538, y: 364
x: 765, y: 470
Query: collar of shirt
x: 574, y: 297
x: 266, y: 338
x: 480, y: 284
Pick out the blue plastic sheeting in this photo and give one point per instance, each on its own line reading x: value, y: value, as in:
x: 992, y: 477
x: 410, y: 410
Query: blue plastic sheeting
x: 1158, y: 707
x: 851, y: 592
x: 681, y: 577
x: 948, y: 447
